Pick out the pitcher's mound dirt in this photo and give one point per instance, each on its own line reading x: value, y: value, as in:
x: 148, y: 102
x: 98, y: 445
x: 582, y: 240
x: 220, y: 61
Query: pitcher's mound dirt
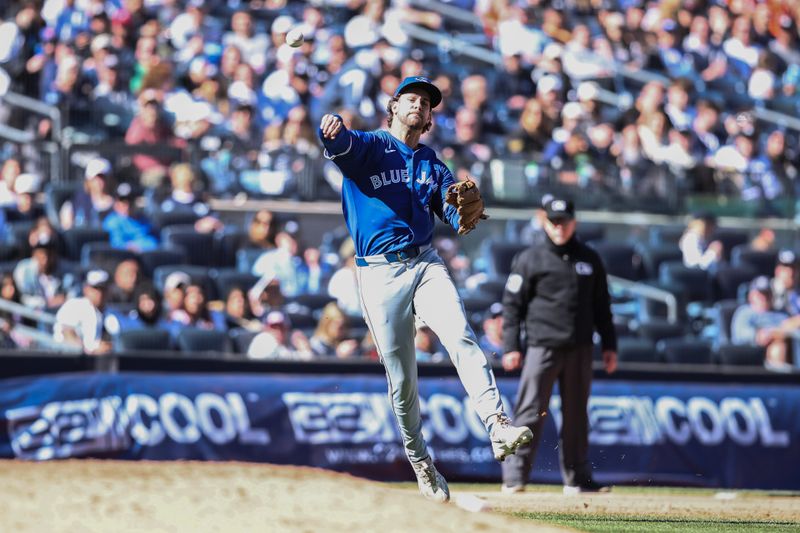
x: 120, y: 496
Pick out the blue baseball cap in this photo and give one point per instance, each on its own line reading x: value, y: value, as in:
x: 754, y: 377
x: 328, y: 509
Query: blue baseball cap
x: 424, y: 83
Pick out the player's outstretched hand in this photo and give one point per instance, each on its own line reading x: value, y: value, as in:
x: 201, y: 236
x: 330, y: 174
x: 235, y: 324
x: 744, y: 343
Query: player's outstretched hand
x: 331, y: 125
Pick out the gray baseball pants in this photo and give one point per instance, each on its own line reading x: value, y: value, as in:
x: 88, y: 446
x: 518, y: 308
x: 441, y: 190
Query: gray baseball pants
x: 391, y: 294
x: 572, y: 368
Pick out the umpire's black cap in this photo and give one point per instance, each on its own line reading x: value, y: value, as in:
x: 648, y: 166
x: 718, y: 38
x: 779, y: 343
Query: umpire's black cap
x: 424, y: 83
x: 559, y: 209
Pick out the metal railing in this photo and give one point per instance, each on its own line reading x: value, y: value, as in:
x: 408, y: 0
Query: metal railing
x: 42, y: 339
x: 648, y: 292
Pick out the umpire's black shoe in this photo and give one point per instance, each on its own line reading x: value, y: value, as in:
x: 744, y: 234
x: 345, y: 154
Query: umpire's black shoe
x: 586, y: 488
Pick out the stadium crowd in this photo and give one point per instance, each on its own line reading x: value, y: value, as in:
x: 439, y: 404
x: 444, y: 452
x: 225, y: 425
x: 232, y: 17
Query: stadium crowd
x: 623, y: 98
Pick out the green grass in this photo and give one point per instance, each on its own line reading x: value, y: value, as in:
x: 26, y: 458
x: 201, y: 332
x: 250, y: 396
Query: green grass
x: 616, y: 522
x: 606, y: 523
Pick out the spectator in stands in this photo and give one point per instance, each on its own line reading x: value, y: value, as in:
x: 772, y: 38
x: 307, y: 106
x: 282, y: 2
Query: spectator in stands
x: 535, y: 128
x: 147, y: 312
x: 457, y: 262
x: 12, y: 167
x: 756, y: 323
x: 126, y: 277
x: 282, y: 262
x: 343, y: 285
x: 764, y: 240
x: 426, y: 345
x: 238, y: 312
x: 491, y: 341
x: 80, y: 321
x: 252, y: 44
x: 41, y: 279
x: 695, y: 246
x: 27, y: 209
x: 185, y: 198
x: 89, y: 205
x: 278, y: 341
x: 195, y: 312
x: 262, y: 230
x: 148, y: 127
x: 784, y: 284
x: 331, y: 337
x: 313, y: 274
x: 9, y: 338
x: 126, y: 230
x: 266, y: 295
x: 174, y: 295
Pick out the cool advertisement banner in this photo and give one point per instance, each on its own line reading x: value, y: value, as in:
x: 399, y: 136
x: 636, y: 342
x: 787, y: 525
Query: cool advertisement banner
x: 698, y: 434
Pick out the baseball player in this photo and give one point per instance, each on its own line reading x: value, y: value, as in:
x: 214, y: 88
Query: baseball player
x: 393, y: 187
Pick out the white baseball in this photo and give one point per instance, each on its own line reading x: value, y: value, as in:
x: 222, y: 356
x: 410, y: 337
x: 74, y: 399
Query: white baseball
x: 294, y: 37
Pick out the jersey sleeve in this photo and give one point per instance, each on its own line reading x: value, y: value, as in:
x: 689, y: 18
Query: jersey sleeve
x: 350, y: 150
x: 518, y: 292
x: 443, y: 210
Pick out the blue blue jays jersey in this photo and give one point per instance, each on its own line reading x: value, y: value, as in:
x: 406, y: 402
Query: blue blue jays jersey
x: 390, y: 192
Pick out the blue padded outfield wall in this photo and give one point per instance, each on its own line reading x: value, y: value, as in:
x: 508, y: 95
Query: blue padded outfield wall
x: 716, y: 435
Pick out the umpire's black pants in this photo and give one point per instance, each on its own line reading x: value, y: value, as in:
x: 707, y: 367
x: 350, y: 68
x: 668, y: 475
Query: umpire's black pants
x: 572, y: 367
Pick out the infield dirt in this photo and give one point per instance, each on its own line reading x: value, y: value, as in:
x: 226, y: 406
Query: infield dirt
x: 119, y: 496
x: 113, y: 496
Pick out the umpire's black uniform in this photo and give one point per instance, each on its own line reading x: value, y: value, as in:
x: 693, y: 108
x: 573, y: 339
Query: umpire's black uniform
x: 560, y: 294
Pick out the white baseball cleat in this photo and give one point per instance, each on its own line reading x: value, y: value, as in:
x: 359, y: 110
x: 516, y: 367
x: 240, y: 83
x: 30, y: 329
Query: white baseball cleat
x: 506, y: 439
x: 587, y: 488
x: 431, y: 483
x: 512, y: 489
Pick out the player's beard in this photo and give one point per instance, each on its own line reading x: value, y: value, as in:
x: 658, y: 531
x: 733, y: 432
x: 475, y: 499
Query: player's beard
x: 418, y: 124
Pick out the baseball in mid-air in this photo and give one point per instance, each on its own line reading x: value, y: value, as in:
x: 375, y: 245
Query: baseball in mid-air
x: 294, y: 37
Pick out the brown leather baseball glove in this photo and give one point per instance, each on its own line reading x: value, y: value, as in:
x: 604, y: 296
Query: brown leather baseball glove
x: 466, y: 197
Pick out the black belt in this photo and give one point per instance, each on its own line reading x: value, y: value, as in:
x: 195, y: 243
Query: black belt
x: 392, y: 257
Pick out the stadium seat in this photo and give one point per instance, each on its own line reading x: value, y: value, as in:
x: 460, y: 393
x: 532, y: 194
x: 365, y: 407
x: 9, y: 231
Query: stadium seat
x: 499, y: 255
x: 657, y: 329
x: 199, y: 247
x: 588, y: 231
x: 75, y: 238
x: 666, y: 235
x: 228, y: 278
x: 728, y: 279
x: 738, y: 355
x: 18, y: 233
x: 146, y: 339
x: 241, y: 339
x: 685, y: 351
x: 760, y: 261
x: 633, y: 350
x: 227, y: 243
x: 55, y: 195
x: 653, y: 255
x: 300, y: 317
x: 722, y: 317
x: 314, y: 302
x: 246, y: 258
x: 493, y: 288
x: 692, y: 283
x: 103, y: 255
x: 730, y: 239
x: 203, y: 342
x: 152, y: 259
x: 162, y: 220
x: 475, y: 307
x: 620, y: 259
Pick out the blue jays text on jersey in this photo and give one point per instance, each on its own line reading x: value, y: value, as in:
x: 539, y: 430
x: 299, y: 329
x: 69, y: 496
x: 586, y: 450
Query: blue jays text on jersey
x: 391, y: 191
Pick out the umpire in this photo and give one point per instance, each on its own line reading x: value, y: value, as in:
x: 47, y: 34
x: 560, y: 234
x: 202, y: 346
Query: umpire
x: 558, y: 291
